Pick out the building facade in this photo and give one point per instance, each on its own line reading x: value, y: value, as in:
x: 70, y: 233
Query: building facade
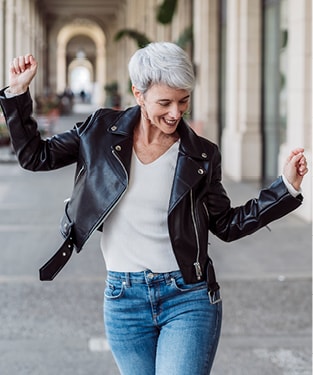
x: 253, y: 63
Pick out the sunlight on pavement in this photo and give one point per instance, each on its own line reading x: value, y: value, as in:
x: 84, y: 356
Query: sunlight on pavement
x: 98, y: 344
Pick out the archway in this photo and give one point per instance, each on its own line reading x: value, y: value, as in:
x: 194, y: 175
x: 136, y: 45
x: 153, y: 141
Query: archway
x: 91, y: 30
x: 80, y: 78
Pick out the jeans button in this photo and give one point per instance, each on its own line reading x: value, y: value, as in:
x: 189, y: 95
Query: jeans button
x: 150, y: 275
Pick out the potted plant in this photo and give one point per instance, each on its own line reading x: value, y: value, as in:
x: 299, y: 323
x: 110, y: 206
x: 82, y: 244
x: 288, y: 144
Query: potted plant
x: 48, y: 111
x: 4, y: 133
x: 113, y: 98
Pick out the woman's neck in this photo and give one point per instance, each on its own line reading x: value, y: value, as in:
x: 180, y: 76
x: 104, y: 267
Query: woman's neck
x: 147, y: 134
x: 150, y: 142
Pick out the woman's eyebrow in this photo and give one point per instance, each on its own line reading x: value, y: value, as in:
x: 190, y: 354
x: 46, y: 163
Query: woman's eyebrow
x: 169, y: 100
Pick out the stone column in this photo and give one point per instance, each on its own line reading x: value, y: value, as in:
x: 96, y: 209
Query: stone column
x: 241, y: 139
x: 20, y: 18
x: 35, y: 33
x: 205, y: 98
x: 61, y: 66
x: 182, y: 19
x: 9, y: 33
x: 299, y: 111
x: 3, y: 66
x: 100, y: 67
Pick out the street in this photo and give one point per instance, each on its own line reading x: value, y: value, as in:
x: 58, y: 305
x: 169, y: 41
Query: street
x: 56, y: 327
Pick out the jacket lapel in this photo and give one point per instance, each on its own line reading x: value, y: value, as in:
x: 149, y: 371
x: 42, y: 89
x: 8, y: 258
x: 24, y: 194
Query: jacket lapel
x: 123, y: 129
x: 192, y: 161
x: 192, y: 164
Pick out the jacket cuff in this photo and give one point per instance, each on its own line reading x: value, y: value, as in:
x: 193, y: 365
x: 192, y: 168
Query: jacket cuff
x: 10, y: 95
x: 292, y: 191
x: 9, y: 105
x: 280, y: 187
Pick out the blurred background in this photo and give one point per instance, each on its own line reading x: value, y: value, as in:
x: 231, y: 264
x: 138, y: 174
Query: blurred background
x: 252, y: 59
x: 253, y: 97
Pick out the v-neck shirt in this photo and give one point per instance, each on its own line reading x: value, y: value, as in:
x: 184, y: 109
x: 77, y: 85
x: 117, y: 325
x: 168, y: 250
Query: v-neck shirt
x: 135, y: 235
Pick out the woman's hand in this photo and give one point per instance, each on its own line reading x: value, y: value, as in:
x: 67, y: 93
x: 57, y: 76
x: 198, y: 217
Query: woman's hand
x: 22, y: 70
x: 295, y: 167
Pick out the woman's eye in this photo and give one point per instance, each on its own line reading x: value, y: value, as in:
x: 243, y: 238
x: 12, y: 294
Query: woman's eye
x: 166, y: 104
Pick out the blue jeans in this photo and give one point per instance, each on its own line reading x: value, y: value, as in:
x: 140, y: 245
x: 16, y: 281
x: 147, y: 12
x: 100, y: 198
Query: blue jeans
x: 158, y: 325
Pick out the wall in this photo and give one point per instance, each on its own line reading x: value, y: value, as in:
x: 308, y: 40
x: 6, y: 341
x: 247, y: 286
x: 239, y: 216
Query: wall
x: 21, y: 31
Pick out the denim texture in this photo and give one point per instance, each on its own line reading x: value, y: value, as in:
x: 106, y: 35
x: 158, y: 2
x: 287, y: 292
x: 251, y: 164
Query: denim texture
x: 158, y: 325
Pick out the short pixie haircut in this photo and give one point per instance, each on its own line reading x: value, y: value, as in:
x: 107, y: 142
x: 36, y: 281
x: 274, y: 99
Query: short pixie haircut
x: 161, y: 63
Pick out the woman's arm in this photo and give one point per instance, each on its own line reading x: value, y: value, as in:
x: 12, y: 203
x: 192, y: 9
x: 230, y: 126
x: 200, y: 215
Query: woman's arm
x: 33, y: 152
x: 231, y: 223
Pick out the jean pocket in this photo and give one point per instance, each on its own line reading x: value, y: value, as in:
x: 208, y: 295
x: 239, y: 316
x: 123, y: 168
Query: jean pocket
x: 114, y: 290
x: 180, y: 285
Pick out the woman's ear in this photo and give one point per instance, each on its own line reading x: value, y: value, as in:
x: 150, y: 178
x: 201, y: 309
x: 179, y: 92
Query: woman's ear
x: 138, y: 95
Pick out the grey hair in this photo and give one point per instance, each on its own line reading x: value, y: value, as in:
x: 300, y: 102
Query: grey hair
x: 161, y: 63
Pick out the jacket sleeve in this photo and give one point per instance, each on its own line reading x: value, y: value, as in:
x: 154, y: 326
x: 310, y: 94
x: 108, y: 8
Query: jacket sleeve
x: 33, y: 152
x: 231, y: 223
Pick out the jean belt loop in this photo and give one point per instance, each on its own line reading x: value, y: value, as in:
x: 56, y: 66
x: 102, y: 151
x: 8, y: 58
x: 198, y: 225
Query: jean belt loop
x: 167, y: 278
x: 127, y: 279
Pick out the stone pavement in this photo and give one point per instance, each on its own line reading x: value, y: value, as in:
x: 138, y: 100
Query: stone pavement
x: 57, y: 327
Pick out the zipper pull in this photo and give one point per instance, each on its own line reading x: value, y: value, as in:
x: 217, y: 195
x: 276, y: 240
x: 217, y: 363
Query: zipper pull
x: 198, y: 270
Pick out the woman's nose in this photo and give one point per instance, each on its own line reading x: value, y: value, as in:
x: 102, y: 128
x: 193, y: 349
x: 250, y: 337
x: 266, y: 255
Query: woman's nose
x: 175, y: 111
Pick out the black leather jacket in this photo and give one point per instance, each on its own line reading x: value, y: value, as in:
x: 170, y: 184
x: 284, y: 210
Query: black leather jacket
x: 102, y: 146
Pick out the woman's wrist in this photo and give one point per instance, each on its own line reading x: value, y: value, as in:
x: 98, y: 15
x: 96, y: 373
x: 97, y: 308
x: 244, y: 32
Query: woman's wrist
x: 9, y: 94
x: 16, y: 90
x: 292, y: 190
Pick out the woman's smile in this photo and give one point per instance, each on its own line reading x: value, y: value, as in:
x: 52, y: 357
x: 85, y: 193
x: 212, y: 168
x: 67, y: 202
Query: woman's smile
x: 170, y: 122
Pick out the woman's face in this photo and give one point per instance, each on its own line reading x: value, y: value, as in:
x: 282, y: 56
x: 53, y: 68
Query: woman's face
x: 163, y: 106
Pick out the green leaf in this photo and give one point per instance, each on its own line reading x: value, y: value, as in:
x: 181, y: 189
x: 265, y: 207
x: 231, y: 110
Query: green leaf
x: 166, y: 11
x: 141, y: 39
x: 185, y: 37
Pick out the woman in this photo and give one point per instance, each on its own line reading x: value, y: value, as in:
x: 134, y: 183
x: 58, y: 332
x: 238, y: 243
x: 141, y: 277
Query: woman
x: 154, y: 189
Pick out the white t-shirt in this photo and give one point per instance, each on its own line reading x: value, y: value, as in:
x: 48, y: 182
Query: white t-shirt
x: 135, y: 235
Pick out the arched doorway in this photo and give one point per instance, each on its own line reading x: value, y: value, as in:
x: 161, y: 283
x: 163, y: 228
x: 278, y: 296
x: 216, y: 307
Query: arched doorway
x: 80, y: 80
x: 81, y: 62
x: 81, y: 44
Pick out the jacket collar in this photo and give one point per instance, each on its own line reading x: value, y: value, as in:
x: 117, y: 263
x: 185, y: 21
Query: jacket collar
x: 192, y: 162
x: 190, y: 143
x: 126, y: 121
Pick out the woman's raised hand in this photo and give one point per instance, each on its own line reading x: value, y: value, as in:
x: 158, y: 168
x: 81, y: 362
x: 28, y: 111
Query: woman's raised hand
x: 22, y: 70
x: 295, y: 167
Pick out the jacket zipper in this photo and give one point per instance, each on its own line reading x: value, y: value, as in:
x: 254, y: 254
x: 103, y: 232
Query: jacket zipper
x: 127, y: 181
x: 196, y: 263
x: 79, y: 173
